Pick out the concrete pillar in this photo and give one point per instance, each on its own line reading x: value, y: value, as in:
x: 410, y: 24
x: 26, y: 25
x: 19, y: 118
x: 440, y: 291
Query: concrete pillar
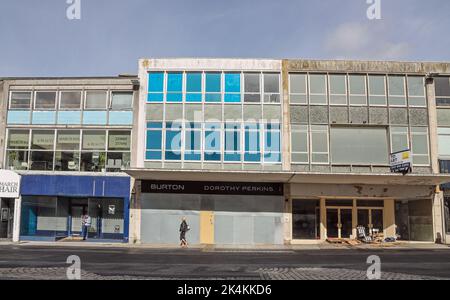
x: 287, y: 215
x: 438, y: 218
x: 135, y: 214
x: 4, y: 87
x: 389, y: 218
x: 323, y: 220
x: 286, y: 145
x: 16, y: 225
x: 354, y: 220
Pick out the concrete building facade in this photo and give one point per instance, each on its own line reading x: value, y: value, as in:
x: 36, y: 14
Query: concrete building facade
x: 250, y: 151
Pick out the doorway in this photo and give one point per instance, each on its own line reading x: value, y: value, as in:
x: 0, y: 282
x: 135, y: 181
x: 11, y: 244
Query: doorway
x: 6, y: 218
x: 371, y: 219
x: 339, y: 222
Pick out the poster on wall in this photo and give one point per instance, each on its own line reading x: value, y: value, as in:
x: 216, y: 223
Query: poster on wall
x: 401, y: 162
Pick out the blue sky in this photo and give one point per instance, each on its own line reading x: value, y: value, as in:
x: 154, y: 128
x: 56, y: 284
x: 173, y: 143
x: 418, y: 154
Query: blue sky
x: 37, y: 39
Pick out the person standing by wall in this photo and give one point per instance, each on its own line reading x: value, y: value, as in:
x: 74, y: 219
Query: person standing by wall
x: 85, y: 223
x: 184, y: 227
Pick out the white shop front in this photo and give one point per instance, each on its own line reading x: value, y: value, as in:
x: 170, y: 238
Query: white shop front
x: 9, y: 193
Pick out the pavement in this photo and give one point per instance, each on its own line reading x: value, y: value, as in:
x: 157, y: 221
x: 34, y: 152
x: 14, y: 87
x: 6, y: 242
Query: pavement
x: 33, y: 260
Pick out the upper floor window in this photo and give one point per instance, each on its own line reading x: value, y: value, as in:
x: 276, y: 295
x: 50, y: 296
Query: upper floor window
x: 442, y: 87
x: 318, y: 89
x: 70, y: 100
x: 396, y: 88
x: 357, y: 89
x: 297, y: 89
x: 193, y: 87
x: 416, y: 91
x: 96, y: 100
x: 419, y: 143
x: 45, y: 100
x: 174, y: 87
x: 338, y: 89
x: 155, y: 87
x: 271, y: 87
x: 252, y: 87
x: 232, y: 87
x: 377, y: 90
x: 121, y: 100
x: 444, y: 142
x: 20, y: 100
x: 213, y: 87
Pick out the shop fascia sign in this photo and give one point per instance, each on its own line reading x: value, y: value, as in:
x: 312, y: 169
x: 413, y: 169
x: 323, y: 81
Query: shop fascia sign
x: 9, y: 184
x: 401, y: 162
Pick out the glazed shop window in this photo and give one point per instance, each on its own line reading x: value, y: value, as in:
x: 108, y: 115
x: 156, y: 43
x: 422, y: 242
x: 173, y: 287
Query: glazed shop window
x: 17, y: 149
x: 442, y: 88
x: 252, y: 87
x: 338, y: 89
x: 41, y: 157
x: 67, y: 154
x: 96, y: 100
x: 396, y: 86
x: 93, y: 156
x: 121, y: 100
x: 20, y: 100
x: 377, y: 90
x: 45, y: 100
x: 271, y: 87
x: 194, y: 87
x: 416, y: 91
x: 119, y: 143
x: 70, y: 100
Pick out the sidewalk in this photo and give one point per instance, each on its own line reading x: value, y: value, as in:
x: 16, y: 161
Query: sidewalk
x: 233, y: 248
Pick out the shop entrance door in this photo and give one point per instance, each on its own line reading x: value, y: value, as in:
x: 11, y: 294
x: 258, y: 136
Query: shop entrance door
x: 339, y: 222
x: 6, y: 218
x: 76, y: 211
x: 371, y: 219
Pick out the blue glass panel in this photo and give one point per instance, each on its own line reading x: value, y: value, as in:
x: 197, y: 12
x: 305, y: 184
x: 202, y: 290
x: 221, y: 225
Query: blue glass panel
x: 252, y: 157
x: 212, y: 126
x: 272, y: 126
x: 153, y: 155
x: 213, y: 82
x: 272, y: 141
x: 94, y: 117
x: 173, y: 155
x: 232, y: 141
x: 194, y: 97
x: 19, y: 117
x: 174, y: 97
x: 174, y: 82
x: 120, y: 118
x: 69, y: 117
x: 193, y: 125
x: 232, y: 157
x: 251, y: 126
x: 173, y: 140
x: 272, y: 157
x: 154, y: 124
x: 193, y: 140
x: 252, y: 141
x: 155, y: 97
x: 212, y: 156
x: 232, y: 98
x: 154, y: 139
x: 174, y: 125
x: 155, y: 81
x: 232, y: 83
x: 193, y: 82
x: 213, y: 97
x: 212, y: 141
x: 44, y: 117
x: 192, y: 156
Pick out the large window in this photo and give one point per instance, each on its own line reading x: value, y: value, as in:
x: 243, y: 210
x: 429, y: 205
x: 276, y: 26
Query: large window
x: 174, y: 87
x: 305, y: 219
x: 357, y: 89
x: 442, y: 87
x: 193, y: 142
x: 96, y: 100
x: 193, y: 87
x: 119, y: 146
x: 67, y: 154
x: 319, y: 144
x: 396, y: 88
x: 42, y: 142
x: 299, y: 143
x: 93, y: 155
x: 154, y: 141
x: 232, y: 151
x: 155, y: 87
x: 416, y: 91
x: 232, y: 87
x: 271, y: 87
x: 272, y: 139
x: 173, y: 140
x: 447, y: 214
x: 444, y: 142
x: 399, y: 139
x: 377, y: 90
x: 297, y: 88
x: 45, y: 100
x: 338, y: 89
x: 252, y: 87
x: 359, y: 145
x: 213, y: 87
x: 318, y: 89
x: 121, y: 100
x: 20, y: 100
x: 212, y: 142
x: 17, y: 149
x: 419, y: 141
x: 70, y: 100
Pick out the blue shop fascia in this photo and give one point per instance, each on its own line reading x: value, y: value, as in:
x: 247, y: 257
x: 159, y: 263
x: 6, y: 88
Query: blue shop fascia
x: 52, y: 206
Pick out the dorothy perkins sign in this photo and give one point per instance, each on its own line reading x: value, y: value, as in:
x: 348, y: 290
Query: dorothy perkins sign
x: 9, y: 184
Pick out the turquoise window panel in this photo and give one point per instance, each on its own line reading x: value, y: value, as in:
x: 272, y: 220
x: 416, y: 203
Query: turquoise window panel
x: 272, y: 157
x: 252, y: 141
x: 193, y: 82
x: 213, y: 97
x: 175, y: 82
x: 94, y: 118
x: 69, y: 117
x: 174, y: 97
x: 173, y: 145
x: 156, y: 82
x: 194, y: 156
x: 214, y: 156
x: 194, y: 97
x: 232, y: 141
x: 44, y: 117
x: 232, y: 98
x: 153, y: 155
x: 120, y: 118
x: 232, y: 83
x: 272, y: 141
x: 155, y: 97
x: 154, y: 124
x: 154, y: 140
x: 19, y: 117
x: 252, y: 157
x: 213, y: 84
x: 232, y: 157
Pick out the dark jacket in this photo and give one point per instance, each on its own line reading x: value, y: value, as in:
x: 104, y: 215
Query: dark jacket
x: 184, y: 226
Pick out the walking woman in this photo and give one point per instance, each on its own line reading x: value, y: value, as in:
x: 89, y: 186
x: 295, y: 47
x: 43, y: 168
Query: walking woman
x: 184, y: 227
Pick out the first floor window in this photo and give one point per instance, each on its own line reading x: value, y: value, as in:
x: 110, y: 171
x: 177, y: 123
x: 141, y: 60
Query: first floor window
x: 272, y: 139
x: 232, y: 142
x: 419, y: 141
x: 154, y: 141
x: 319, y: 144
x: 299, y: 143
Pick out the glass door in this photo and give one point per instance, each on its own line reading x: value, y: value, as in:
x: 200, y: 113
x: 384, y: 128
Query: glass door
x: 332, y: 222
x: 363, y: 219
x: 376, y: 220
x: 76, y: 211
x: 345, y: 221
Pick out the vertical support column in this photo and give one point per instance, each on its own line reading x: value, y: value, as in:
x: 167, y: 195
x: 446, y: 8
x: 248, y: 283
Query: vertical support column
x: 286, y: 146
x: 323, y: 220
x: 16, y: 226
x: 438, y: 218
x: 354, y: 219
x: 389, y: 218
x: 4, y: 87
x: 135, y: 213
x: 287, y: 215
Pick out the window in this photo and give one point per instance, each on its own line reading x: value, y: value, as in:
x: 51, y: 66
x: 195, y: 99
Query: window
x: 94, y: 140
x: 361, y: 145
x: 338, y: 89
x: 444, y: 142
x: 306, y: 219
x: 299, y: 143
x: 319, y: 144
x: 252, y: 143
x: 154, y: 141
x: 122, y: 100
x: 212, y: 142
x: 213, y: 87
x: 17, y: 149
x: 397, y: 91
x: 173, y: 141
x: 174, y: 87
x: 297, y: 89
x: 232, y: 142
x: 68, y: 140
x: 357, y: 87
x: 45, y: 100
x: 399, y: 139
x: 96, y: 100
x: 93, y: 156
x: 416, y: 91
x: 194, y: 87
x: 317, y: 89
x: 272, y: 139
x: 447, y: 214
x: 42, y: 142
x: 20, y: 100
x: 377, y: 90
x: 419, y: 142
x: 442, y: 87
x: 232, y: 87
x: 70, y: 100
x: 155, y: 87
x: 118, y: 157
x: 67, y: 156
x: 252, y: 87
x: 271, y: 88
x: 193, y: 142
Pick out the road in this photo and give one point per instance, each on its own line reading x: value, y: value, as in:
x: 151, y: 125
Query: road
x: 49, y: 262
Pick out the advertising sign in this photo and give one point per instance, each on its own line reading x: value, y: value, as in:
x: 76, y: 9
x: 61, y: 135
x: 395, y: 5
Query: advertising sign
x: 401, y: 162
x: 9, y: 184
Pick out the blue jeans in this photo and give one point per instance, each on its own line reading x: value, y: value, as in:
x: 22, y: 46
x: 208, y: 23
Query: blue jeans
x: 84, y: 231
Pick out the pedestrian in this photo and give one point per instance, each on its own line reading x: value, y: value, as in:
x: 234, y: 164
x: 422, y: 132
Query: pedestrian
x: 184, y: 227
x: 85, y: 223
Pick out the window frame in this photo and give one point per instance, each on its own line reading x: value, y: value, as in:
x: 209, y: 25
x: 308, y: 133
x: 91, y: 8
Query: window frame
x: 346, y: 88
x: 69, y: 91
x: 427, y: 135
x: 110, y: 103
x: 385, y: 95
x: 107, y: 99
x: 298, y: 94
x: 326, y: 103
x: 311, y: 152
x: 389, y: 95
x: 45, y: 91
x: 417, y: 97
x: 31, y: 102
x: 350, y: 94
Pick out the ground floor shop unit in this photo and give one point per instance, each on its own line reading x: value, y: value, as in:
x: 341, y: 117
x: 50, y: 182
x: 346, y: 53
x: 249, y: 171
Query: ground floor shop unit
x: 250, y: 208
x: 51, y: 207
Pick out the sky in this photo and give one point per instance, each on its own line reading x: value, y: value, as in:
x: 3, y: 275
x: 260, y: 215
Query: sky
x: 38, y: 39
